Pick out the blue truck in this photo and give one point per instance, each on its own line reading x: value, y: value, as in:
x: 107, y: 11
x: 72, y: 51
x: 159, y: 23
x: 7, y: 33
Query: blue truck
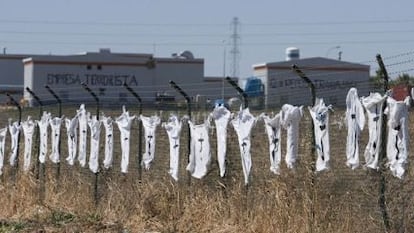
x: 254, y: 87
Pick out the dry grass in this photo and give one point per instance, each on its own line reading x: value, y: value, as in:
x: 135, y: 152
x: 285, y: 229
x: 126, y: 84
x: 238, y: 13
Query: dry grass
x: 340, y: 200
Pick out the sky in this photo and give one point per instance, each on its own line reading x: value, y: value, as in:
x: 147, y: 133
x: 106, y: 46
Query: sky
x: 359, y: 30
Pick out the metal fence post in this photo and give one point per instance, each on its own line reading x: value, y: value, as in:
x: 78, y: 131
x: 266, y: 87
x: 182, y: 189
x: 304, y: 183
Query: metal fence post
x: 40, y: 166
x: 37, y: 135
x: 59, y: 101
x: 308, y: 81
x: 240, y: 91
x: 311, y: 86
x: 37, y: 100
x: 382, y: 155
x: 188, y: 100
x: 245, y: 100
x: 139, y: 129
x: 245, y: 105
x: 17, y: 105
x: 85, y: 86
x: 14, y: 174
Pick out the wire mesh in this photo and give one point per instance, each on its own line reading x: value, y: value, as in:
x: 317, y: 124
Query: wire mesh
x: 337, y: 200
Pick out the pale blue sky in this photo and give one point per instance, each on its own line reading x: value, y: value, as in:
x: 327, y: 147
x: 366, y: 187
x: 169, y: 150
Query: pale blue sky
x: 361, y: 28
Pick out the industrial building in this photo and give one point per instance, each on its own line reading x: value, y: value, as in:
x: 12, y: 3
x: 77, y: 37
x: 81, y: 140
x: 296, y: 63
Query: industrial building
x: 332, y: 79
x: 11, y: 75
x: 106, y: 72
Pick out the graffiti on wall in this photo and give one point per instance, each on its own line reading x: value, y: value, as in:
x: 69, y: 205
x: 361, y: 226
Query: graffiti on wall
x: 319, y: 83
x: 91, y: 79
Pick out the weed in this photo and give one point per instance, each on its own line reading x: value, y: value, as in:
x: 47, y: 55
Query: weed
x: 60, y: 218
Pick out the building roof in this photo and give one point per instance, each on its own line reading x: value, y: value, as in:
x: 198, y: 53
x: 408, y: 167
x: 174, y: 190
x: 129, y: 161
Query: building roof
x: 313, y: 63
x: 105, y: 57
x: 14, y: 56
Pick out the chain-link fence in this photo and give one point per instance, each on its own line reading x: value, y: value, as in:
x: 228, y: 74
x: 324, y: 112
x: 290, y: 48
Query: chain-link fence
x: 297, y: 200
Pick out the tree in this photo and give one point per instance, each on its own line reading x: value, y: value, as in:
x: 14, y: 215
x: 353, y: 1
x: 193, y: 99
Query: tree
x: 403, y: 79
x: 377, y: 80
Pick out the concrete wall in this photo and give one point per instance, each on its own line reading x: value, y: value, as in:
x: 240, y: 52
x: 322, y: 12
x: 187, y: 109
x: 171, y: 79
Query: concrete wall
x: 11, y: 76
x: 332, y: 80
x: 106, y: 74
x: 286, y: 86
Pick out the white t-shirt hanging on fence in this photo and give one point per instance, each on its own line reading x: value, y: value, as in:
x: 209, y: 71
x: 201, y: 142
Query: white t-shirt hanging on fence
x: 14, y: 130
x: 28, y: 130
x: 124, y: 123
x: 95, y: 129
x: 150, y: 125
x: 373, y: 105
x: 355, y: 121
x: 221, y: 116
x: 200, y: 155
x: 320, y: 116
x: 398, y: 136
x: 3, y: 133
x: 72, y: 135
x: 243, y: 123
x: 272, y: 127
x: 412, y: 93
x: 173, y: 127
x: 55, y: 124
x: 43, y: 132
x: 290, y: 117
x: 109, y: 141
x: 83, y: 130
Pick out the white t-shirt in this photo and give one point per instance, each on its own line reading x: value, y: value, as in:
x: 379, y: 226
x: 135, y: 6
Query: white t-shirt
x: 412, y: 93
x: 200, y: 155
x: 109, y: 141
x: 173, y: 127
x: 243, y: 123
x: 28, y: 130
x: 72, y: 135
x: 150, y: 126
x: 43, y: 131
x: 320, y: 116
x: 290, y: 117
x: 3, y: 133
x: 124, y: 123
x: 55, y: 124
x: 373, y: 105
x: 83, y: 130
x: 14, y: 130
x: 221, y: 116
x: 272, y: 127
x: 398, y: 135
x: 95, y: 129
x: 355, y: 121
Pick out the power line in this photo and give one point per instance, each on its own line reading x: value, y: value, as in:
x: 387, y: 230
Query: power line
x: 129, y: 23
x: 117, y: 34
x: 391, y: 41
x: 109, y: 34
x: 402, y: 71
x: 317, y: 23
x: 399, y: 55
x: 401, y: 62
x: 102, y: 23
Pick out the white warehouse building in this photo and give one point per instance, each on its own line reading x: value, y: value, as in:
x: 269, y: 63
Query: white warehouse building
x: 105, y: 73
x: 332, y: 80
x: 11, y: 76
